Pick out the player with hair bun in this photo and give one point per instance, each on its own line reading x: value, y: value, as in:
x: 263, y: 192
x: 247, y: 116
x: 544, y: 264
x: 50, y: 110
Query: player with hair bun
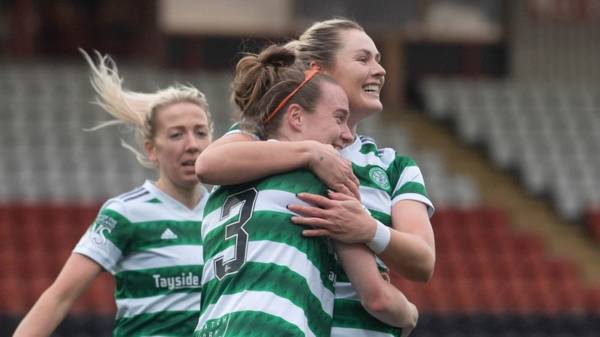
x: 261, y: 276
x: 396, y: 223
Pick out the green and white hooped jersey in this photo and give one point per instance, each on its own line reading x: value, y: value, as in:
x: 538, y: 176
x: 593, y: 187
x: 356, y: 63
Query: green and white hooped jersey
x: 261, y: 276
x: 151, y: 244
x: 385, y: 178
x: 236, y: 128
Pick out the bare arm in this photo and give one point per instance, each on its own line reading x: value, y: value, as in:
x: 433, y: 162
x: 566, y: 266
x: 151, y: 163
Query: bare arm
x: 380, y: 298
x: 239, y: 158
x: 411, y: 250
x: 53, y: 305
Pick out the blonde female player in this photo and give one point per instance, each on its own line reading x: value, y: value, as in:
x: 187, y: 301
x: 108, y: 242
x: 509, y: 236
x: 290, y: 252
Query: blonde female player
x: 148, y: 238
x: 391, y: 185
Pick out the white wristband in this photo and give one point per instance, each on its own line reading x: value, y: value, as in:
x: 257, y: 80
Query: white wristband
x: 381, y: 239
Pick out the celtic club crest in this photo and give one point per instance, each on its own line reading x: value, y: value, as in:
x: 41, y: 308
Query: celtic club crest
x: 379, y: 177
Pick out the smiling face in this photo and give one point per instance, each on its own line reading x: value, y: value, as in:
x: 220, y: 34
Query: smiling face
x: 357, y: 69
x: 181, y: 133
x: 328, y: 123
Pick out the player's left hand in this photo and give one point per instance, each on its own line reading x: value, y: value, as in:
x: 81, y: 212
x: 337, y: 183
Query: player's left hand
x: 340, y: 217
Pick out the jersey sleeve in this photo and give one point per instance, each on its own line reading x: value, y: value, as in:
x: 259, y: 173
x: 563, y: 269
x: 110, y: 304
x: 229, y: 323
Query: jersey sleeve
x: 107, y: 237
x: 408, y: 183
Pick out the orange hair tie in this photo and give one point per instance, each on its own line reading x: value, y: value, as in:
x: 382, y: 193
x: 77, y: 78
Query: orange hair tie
x: 308, y: 75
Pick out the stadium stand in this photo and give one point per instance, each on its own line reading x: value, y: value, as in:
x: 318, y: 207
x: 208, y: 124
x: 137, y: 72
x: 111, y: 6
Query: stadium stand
x: 492, y: 279
x: 548, y: 133
x: 593, y: 223
x: 51, y: 156
x: 486, y: 273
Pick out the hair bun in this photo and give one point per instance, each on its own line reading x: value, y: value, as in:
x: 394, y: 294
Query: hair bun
x: 277, y: 56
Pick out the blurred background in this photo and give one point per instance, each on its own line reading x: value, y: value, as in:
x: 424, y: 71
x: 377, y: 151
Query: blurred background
x: 498, y: 102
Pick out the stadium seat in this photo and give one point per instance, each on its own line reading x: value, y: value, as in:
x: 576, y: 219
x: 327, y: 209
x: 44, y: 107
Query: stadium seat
x: 593, y: 222
x: 524, y: 127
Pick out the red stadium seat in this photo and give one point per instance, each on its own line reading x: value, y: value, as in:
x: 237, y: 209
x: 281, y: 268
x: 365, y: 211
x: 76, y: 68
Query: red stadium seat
x: 482, y: 266
x: 466, y: 296
x: 13, y: 294
x: 592, y: 300
x: 491, y: 296
x: 593, y: 223
x: 438, y: 297
x: 101, y: 295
